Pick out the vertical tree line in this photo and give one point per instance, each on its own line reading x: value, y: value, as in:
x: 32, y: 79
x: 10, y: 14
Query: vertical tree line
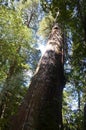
x: 42, y: 106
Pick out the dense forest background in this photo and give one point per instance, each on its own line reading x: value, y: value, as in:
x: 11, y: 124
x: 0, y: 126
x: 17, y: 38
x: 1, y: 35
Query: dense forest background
x: 24, y: 29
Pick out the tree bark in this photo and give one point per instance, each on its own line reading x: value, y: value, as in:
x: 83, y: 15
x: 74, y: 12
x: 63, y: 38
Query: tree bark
x: 41, y: 108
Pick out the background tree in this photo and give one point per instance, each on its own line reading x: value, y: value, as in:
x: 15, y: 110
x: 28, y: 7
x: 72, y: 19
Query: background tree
x: 16, y: 47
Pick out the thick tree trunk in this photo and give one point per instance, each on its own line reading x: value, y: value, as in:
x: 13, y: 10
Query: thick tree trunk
x: 42, y: 106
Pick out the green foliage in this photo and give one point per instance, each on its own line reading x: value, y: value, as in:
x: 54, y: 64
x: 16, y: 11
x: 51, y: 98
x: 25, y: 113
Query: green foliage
x: 15, y: 37
x: 16, y: 43
x: 72, y: 17
x: 45, y: 25
x: 72, y: 116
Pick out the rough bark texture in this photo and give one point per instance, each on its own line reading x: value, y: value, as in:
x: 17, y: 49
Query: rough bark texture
x: 42, y: 106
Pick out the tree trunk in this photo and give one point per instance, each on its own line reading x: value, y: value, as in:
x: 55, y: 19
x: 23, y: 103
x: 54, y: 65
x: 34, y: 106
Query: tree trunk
x: 5, y: 90
x: 42, y: 107
x: 79, y: 100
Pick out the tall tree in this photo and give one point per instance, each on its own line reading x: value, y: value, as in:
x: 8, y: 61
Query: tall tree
x: 42, y: 106
x: 15, y: 49
x: 72, y: 15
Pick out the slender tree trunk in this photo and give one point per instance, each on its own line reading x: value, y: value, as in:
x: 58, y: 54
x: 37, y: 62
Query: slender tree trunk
x: 42, y: 107
x: 79, y: 100
x: 81, y: 6
x: 5, y: 90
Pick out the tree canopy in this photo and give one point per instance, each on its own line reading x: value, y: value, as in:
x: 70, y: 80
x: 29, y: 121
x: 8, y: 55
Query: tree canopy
x: 21, y: 25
